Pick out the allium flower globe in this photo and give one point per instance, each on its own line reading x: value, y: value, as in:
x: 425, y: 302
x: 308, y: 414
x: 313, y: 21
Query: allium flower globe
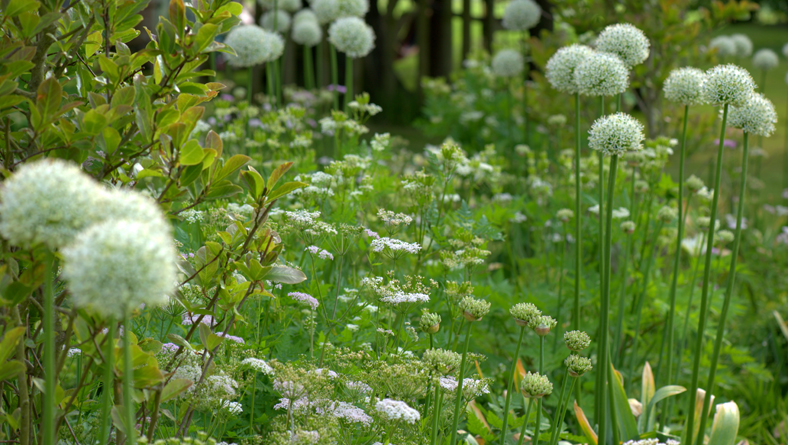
x: 724, y: 45
x: 120, y: 264
x: 47, y: 202
x: 785, y: 50
x: 253, y: 45
x: 132, y: 206
x: 626, y: 41
x: 307, y: 33
x: 283, y: 5
x: 326, y: 11
x: 304, y: 15
x: 765, y: 59
x: 727, y: 84
x: 616, y: 134
x: 560, y: 69
x: 350, y: 35
x: 507, y: 63
x: 282, y: 21
x: 743, y: 45
x: 520, y: 15
x: 756, y: 117
x: 353, y: 8
x: 685, y: 86
x: 602, y: 74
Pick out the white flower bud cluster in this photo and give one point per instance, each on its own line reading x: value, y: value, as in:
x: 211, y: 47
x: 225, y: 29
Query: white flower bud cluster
x: 616, y: 134
x: 602, y: 74
x: 685, y: 86
x: 259, y: 365
x: 520, y: 15
x: 396, y: 410
x: 560, y: 69
x: 350, y: 35
x: 507, y: 63
x: 765, y: 59
x: 394, y: 245
x: 253, y: 45
x: 629, y: 43
x: 756, y: 117
x: 727, y: 84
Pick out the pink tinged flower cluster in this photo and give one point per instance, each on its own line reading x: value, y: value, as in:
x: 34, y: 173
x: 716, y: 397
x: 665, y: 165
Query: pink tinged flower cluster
x: 304, y: 298
x: 231, y: 337
x: 371, y: 234
x: 351, y: 414
x: 188, y: 320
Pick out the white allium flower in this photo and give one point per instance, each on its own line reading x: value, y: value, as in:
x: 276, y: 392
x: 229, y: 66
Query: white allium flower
x: 284, y: 5
x: 756, y: 117
x: 304, y: 15
x: 765, y: 59
x: 350, y: 35
x: 282, y: 21
x: 785, y: 50
x: 743, y: 45
x: 47, y: 202
x: 259, y: 365
x: 724, y: 45
x: 353, y: 8
x: 307, y: 33
x: 326, y: 11
x: 560, y: 69
x: 728, y: 84
x: 615, y: 134
x: 520, y: 15
x: 396, y: 410
x: 507, y: 63
x: 119, y: 264
x: 253, y: 45
x: 685, y: 86
x: 629, y: 43
x: 602, y: 74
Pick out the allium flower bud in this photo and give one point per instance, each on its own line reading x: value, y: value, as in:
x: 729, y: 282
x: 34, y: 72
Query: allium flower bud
x: 765, y: 59
x: 326, y: 11
x: 120, y: 264
x: 47, y: 202
x: 282, y: 21
x: 602, y: 74
x: 507, y: 63
x: 543, y: 324
x: 667, y: 214
x: 564, y: 215
x: 525, y: 313
x: 253, y: 45
x: 353, y: 8
x: 535, y: 385
x: 474, y: 309
x: 430, y: 322
x: 641, y: 186
x: 694, y: 184
x: 685, y: 86
x: 615, y: 134
x: 352, y: 36
x: 441, y: 360
x: 520, y: 15
x: 724, y: 237
x: 757, y: 116
x: 628, y: 227
x: 307, y: 33
x: 724, y: 45
x: 743, y: 45
x: 705, y: 221
x: 626, y: 41
x: 576, y: 340
x: 727, y: 84
x: 577, y: 365
x: 560, y: 69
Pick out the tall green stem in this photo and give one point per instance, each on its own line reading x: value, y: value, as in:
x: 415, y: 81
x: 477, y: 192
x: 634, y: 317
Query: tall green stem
x: 251, y: 410
x: 269, y: 80
x: 128, y: 380
x: 562, y: 412
x: 578, y: 218
x: 525, y: 421
x: 600, y: 235
x: 49, y: 349
x: 334, y: 75
x: 348, y: 80
x: 108, y: 383
x: 538, y: 426
x: 555, y: 426
x: 436, y: 414
x: 460, y: 378
x: 309, y: 71
x: 512, y: 369
x: 693, y: 388
x: 250, y: 85
x: 560, y: 289
x: 621, y: 298
x: 715, y: 355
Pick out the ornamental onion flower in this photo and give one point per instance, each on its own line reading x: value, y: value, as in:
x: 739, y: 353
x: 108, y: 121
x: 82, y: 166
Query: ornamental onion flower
x: 602, y: 74
x: 629, y: 43
x: 353, y: 8
x: 685, y: 86
x: 743, y: 45
x: 304, y: 15
x: 757, y: 116
x: 282, y: 21
x: 535, y: 385
x: 727, y: 84
x: 47, y: 202
x: 724, y: 45
x: 520, y: 15
x: 560, y: 69
x: 283, y: 5
x: 326, y: 11
x: 765, y: 59
x: 253, y: 45
x: 615, y: 134
x: 307, y: 33
x: 785, y: 50
x: 352, y: 36
x: 507, y: 63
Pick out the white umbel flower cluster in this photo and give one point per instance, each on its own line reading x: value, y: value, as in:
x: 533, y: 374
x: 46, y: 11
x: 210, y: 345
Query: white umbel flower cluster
x: 350, y: 35
x: 602, y: 74
x: 560, y: 69
x: 728, y: 84
x: 629, y: 43
x: 615, y: 134
x: 396, y: 410
x: 520, y: 15
x: 259, y: 365
x: 394, y: 245
x: 507, y: 63
x: 282, y: 21
x: 765, y: 59
x: 724, y: 45
x: 47, y: 202
x: 756, y: 117
x: 743, y: 45
x: 253, y: 45
x: 685, y: 86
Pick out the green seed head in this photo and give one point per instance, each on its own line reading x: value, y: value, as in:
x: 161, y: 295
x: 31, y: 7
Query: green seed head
x: 474, y: 309
x: 666, y: 214
x: 525, y: 313
x: 430, y: 322
x: 577, y: 340
x: 724, y: 237
x: 694, y: 184
x: 628, y: 227
x: 577, y: 365
x: 543, y: 324
x: 564, y: 215
x: 441, y: 360
x: 535, y: 385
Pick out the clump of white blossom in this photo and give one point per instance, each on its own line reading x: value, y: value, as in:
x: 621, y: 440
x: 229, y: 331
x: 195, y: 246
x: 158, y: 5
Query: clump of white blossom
x: 253, y: 45
x: 629, y: 43
x: 282, y: 21
x: 258, y: 365
x: 765, y: 59
x: 602, y: 74
x: 520, y: 15
x: 616, y: 134
x: 560, y: 69
x: 353, y: 8
x: 326, y: 11
x: 724, y: 45
x: 304, y: 298
x: 507, y: 63
x: 727, y: 84
x: 350, y: 35
x: 756, y: 117
x: 397, y: 410
x: 743, y: 45
x: 685, y: 86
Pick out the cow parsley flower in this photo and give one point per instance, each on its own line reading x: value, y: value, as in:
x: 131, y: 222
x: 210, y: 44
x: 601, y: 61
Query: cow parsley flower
x: 326, y: 11
x: 304, y: 298
x: 119, y: 264
x: 282, y: 21
x: 394, y: 246
x: 724, y: 45
x: 507, y: 63
x: 401, y: 297
x: 350, y: 35
x: 234, y: 408
x: 602, y: 74
x: 307, y: 33
x: 351, y: 414
x: 615, y: 134
x: 765, y: 59
x: 47, y: 202
x: 727, y: 84
x: 560, y: 69
x: 258, y: 365
x: 520, y: 15
x: 685, y: 86
x: 743, y: 45
x: 756, y: 117
x: 253, y: 45
x: 629, y: 43
x: 396, y: 410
